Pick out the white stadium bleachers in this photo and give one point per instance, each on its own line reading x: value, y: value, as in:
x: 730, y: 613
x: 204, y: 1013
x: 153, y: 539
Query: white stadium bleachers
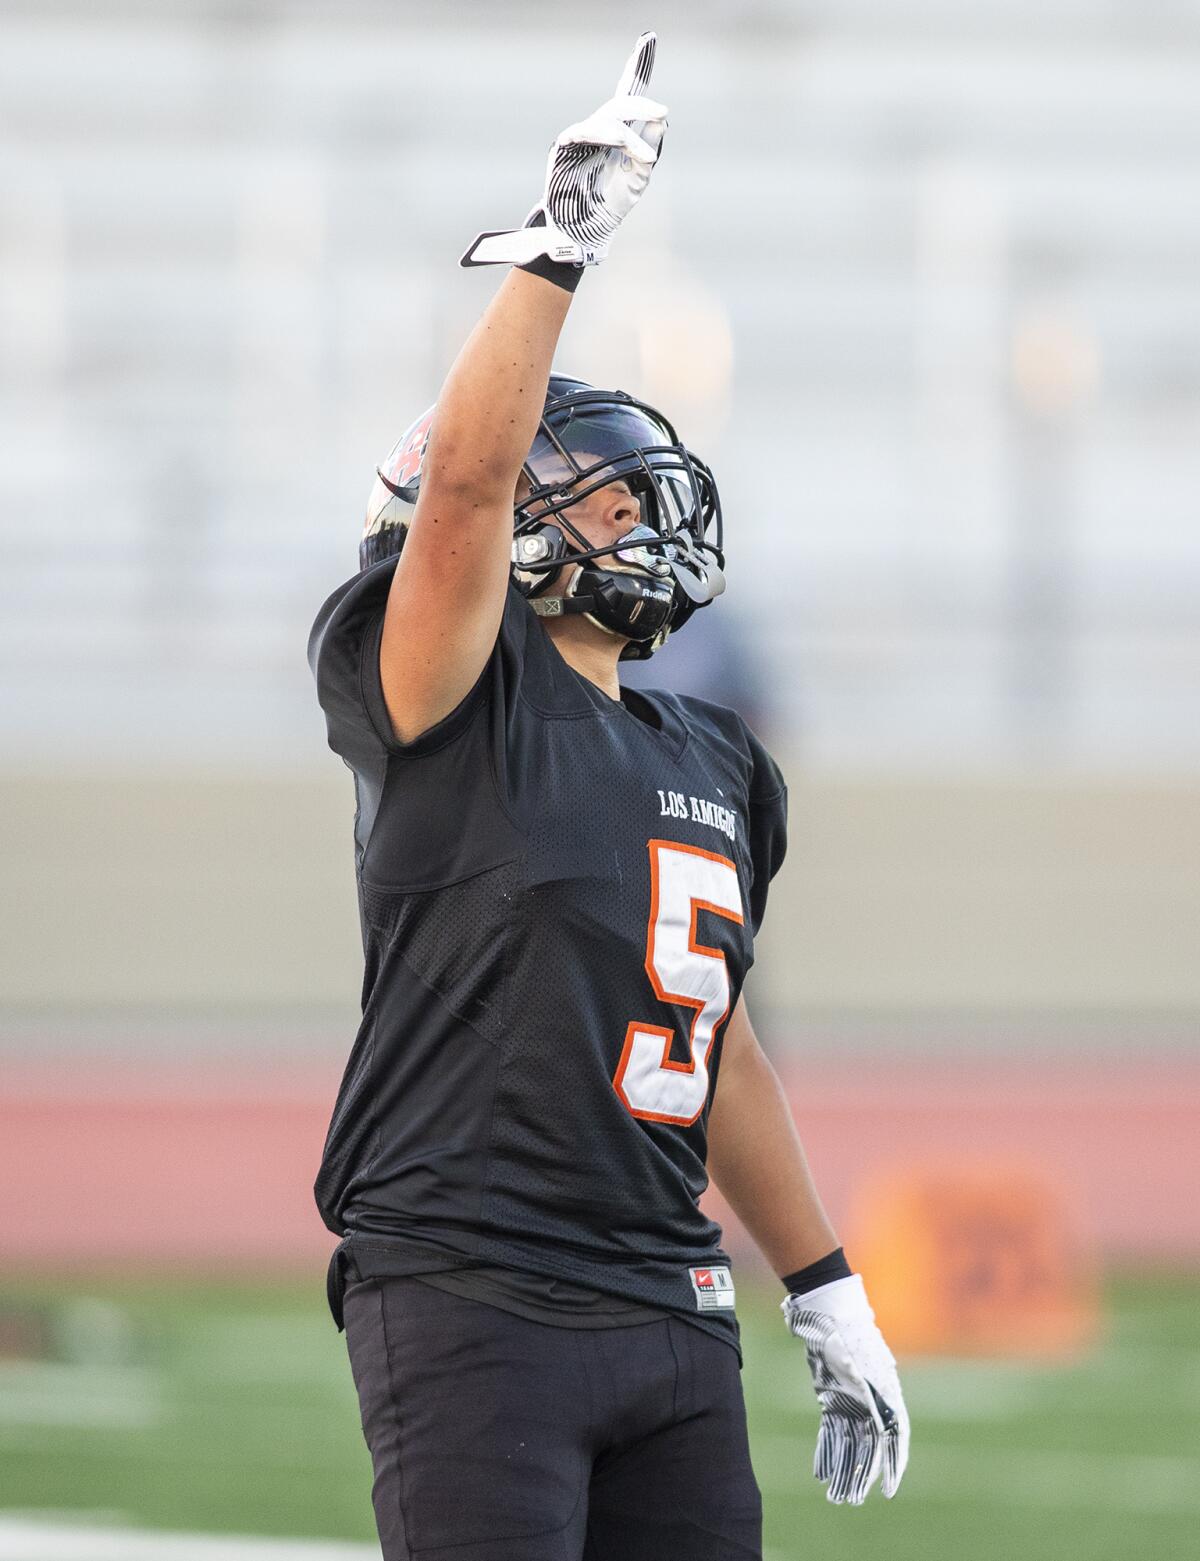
x: 922, y: 281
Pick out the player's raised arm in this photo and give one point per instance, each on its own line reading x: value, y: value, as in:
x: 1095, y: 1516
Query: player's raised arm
x: 447, y: 596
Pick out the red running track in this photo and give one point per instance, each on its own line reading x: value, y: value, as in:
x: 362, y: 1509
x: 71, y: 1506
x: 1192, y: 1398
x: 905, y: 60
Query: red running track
x: 171, y: 1166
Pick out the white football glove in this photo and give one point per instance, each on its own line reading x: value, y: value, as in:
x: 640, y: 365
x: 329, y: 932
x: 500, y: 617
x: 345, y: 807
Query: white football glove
x: 864, y: 1424
x: 596, y: 174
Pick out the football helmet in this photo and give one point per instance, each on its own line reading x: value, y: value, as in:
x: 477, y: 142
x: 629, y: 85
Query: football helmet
x: 643, y: 586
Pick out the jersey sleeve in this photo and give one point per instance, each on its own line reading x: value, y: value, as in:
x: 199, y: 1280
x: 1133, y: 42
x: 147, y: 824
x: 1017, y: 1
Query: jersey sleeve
x: 767, y: 825
x: 343, y: 653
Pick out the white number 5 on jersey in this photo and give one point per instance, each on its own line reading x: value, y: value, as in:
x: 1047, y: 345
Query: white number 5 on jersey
x: 683, y: 881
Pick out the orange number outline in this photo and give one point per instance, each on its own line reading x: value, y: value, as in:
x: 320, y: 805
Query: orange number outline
x: 636, y: 1027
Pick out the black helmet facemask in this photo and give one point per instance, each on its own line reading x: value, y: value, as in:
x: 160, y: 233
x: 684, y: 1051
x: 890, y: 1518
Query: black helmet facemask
x: 643, y: 586
x: 630, y: 592
x: 652, y: 579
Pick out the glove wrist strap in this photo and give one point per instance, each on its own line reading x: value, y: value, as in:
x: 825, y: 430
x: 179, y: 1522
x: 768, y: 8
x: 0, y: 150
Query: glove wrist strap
x: 562, y: 275
x: 823, y: 1272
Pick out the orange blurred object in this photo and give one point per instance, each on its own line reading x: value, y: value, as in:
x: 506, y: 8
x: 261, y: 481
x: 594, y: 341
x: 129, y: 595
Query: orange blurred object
x: 973, y: 1261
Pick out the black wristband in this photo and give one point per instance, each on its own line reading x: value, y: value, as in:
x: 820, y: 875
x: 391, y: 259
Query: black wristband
x: 564, y: 276
x: 823, y: 1272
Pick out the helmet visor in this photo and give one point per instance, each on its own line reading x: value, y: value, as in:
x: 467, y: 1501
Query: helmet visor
x: 572, y: 438
x: 582, y: 448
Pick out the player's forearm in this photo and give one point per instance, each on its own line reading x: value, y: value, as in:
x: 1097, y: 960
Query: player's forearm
x: 489, y: 407
x: 757, y: 1160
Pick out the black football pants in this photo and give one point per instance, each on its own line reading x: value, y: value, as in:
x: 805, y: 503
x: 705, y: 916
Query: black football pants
x: 495, y: 1438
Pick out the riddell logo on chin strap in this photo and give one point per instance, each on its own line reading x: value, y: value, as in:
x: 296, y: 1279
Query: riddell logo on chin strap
x: 713, y: 1289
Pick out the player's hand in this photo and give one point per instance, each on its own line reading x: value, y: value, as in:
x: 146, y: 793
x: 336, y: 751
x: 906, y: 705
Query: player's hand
x: 864, y: 1424
x: 597, y: 172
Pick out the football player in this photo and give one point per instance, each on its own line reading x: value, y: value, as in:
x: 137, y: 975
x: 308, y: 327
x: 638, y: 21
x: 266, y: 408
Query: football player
x: 559, y: 886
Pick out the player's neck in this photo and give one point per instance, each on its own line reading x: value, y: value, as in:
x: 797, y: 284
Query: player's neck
x: 587, y: 650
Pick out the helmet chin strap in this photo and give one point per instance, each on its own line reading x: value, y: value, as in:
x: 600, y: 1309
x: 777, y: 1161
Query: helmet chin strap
x: 623, y: 602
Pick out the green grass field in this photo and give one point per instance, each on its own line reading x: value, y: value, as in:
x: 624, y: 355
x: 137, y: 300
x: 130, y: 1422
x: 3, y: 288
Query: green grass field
x: 223, y: 1409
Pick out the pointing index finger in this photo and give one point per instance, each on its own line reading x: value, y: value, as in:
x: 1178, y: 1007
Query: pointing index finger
x: 636, y: 75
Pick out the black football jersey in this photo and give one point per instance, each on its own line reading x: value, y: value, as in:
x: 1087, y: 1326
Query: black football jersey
x: 558, y: 893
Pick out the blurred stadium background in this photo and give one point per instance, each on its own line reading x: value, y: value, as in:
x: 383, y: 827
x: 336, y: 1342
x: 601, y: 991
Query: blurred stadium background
x: 922, y: 281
